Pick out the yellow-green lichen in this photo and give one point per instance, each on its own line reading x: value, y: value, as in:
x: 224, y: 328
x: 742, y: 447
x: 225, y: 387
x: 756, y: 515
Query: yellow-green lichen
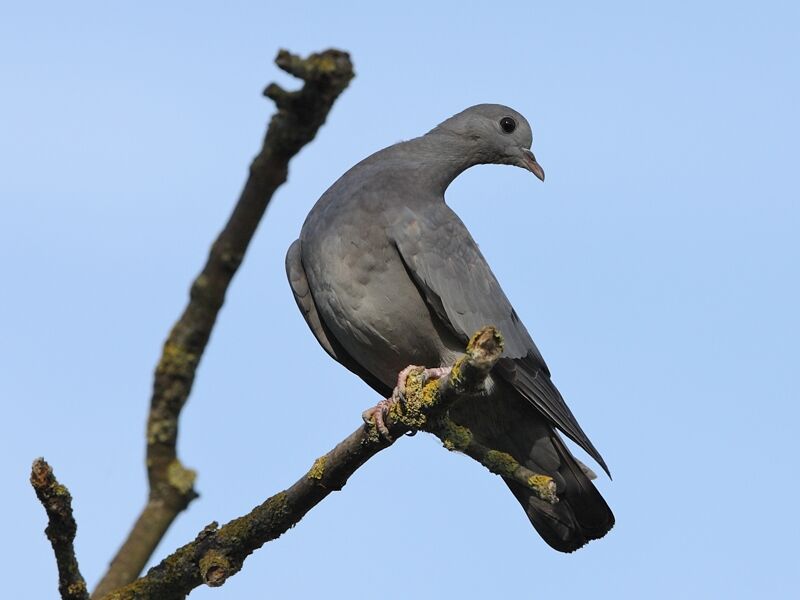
x: 77, y: 589
x: 454, y: 436
x: 322, y: 63
x: 276, y: 507
x: 272, y: 517
x: 162, y: 429
x: 478, y: 338
x: 539, y: 481
x: 176, y: 360
x: 544, y: 487
x: 181, y: 478
x: 415, y: 381
x: 501, y: 463
x: 373, y: 435
x: 318, y: 468
x: 419, y: 395
x: 456, y: 375
x: 431, y: 393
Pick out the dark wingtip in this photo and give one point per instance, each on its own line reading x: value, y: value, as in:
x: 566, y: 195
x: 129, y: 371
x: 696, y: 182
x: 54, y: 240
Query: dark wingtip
x: 596, y: 456
x: 602, y: 463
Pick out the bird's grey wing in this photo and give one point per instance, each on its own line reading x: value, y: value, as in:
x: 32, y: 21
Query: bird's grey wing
x: 305, y: 302
x: 460, y: 288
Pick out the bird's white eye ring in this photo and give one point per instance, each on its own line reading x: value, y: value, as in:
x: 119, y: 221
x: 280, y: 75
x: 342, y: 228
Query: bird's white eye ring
x: 507, y: 124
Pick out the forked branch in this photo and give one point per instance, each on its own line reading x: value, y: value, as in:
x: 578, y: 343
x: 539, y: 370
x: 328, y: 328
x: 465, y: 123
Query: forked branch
x: 300, y: 114
x: 219, y: 552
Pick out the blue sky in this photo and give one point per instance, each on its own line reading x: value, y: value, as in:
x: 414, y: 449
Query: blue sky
x: 656, y: 268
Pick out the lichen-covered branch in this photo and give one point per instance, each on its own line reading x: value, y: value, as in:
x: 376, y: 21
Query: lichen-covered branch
x: 297, y: 120
x: 61, y: 529
x: 459, y: 438
x: 427, y: 404
x: 219, y: 552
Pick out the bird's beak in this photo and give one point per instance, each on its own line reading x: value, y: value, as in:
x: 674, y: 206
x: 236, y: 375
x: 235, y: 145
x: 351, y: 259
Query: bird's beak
x: 530, y: 163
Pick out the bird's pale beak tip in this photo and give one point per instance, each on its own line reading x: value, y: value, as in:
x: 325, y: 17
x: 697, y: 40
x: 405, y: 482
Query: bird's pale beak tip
x: 533, y: 166
x: 536, y: 169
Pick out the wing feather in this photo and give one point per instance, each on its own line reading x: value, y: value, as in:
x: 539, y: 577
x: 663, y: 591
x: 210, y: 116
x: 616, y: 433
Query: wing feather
x: 447, y: 265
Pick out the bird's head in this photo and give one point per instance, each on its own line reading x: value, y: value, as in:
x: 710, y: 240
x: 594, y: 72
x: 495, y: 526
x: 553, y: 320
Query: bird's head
x: 499, y: 134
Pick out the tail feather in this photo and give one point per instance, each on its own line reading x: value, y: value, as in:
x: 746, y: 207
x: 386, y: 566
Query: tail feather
x: 509, y: 423
x: 580, y: 515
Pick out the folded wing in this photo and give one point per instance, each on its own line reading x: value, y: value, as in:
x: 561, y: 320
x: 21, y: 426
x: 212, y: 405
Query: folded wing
x: 460, y: 288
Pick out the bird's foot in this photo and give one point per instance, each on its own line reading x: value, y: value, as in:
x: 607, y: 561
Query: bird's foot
x: 399, y: 392
x: 378, y: 413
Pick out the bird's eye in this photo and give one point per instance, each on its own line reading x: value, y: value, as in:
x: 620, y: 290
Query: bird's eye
x: 508, y: 124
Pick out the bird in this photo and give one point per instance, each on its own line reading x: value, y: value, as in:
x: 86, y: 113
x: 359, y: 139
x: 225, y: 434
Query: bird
x: 387, y: 275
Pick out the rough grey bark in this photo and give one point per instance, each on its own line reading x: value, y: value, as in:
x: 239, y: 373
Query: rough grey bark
x: 61, y: 529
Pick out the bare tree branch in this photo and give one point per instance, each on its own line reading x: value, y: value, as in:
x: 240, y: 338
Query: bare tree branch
x: 61, y: 529
x: 218, y: 553
x: 300, y: 114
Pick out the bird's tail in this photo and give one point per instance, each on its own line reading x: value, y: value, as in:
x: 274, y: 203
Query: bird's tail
x: 514, y: 426
x: 580, y: 515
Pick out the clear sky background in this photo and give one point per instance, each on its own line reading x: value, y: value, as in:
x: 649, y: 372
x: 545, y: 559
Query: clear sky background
x: 657, y: 269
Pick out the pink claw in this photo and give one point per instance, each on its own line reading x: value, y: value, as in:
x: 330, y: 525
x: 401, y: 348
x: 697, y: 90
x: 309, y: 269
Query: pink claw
x: 399, y: 392
x: 378, y: 413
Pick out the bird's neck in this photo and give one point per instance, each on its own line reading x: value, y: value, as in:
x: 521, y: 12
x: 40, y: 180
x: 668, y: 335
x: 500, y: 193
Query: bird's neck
x: 438, y: 157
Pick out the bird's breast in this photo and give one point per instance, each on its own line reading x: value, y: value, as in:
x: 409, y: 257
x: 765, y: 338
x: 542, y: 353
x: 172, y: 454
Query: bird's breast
x: 367, y: 299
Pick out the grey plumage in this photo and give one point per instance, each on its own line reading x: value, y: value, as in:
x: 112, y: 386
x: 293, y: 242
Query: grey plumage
x: 387, y: 275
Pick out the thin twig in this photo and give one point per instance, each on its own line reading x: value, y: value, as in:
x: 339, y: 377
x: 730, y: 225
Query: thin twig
x: 61, y: 529
x: 219, y: 552
x: 300, y: 114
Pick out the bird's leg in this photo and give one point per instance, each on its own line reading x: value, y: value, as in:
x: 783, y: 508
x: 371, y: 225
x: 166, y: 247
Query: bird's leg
x: 399, y: 393
x: 377, y: 414
x: 436, y: 373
